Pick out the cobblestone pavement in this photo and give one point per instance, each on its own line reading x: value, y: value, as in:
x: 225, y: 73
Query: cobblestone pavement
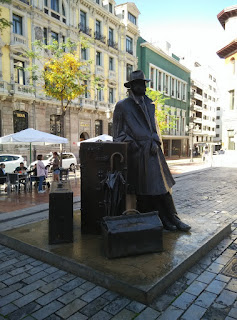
x: 31, y: 289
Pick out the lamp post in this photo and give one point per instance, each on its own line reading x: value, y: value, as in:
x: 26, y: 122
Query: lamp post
x: 189, y: 130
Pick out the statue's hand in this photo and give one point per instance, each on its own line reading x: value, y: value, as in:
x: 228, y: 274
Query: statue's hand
x: 154, y: 148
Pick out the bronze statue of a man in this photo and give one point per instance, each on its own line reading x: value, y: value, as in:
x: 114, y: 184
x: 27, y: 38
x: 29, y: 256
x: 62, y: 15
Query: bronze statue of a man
x: 149, y: 177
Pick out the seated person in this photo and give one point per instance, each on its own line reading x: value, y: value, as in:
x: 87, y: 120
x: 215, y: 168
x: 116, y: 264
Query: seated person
x: 21, y: 168
x: 3, y: 175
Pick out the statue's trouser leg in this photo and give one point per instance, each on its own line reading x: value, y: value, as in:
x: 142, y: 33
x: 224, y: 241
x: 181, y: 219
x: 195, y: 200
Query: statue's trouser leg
x: 172, y: 213
x: 155, y: 203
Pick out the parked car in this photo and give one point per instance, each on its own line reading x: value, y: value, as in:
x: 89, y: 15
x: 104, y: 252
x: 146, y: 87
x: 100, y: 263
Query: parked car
x: 69, y: 160
x: 11, y: 161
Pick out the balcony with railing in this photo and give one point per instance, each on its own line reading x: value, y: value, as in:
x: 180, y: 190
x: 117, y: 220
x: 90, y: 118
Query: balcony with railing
x: 98, y: 36
x: 21, y: 89
x: 197, y: 119
x: 18, y: 39
x: 84, y: 29
x: 112, y: 44
x: 112, y: 75
x: 3, y: 87
x: 99, y: 71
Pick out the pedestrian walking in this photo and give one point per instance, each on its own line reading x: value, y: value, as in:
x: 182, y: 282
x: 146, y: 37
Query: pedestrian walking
x: 40, y: 173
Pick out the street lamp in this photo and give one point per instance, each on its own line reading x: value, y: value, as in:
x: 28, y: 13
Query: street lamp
x: 189, y: 130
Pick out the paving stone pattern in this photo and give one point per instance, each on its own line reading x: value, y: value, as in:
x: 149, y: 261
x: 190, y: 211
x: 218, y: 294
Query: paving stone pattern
x: 31, y: 289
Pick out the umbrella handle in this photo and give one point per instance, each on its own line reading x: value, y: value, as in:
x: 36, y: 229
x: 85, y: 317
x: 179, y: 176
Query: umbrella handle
x: 131, y: 211
x: 112, y: 159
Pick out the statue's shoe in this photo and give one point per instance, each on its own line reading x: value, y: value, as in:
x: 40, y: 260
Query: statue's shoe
x: 179, y: 224
x: 167, y: 224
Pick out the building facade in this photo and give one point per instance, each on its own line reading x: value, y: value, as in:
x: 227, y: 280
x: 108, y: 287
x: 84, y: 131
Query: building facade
x: 228, y: 19
x: 171, y: 78
x: 204, y: 105
x: 112, y: 31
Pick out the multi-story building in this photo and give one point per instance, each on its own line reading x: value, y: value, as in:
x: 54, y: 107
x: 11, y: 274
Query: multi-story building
x: 228, y: 19
x: 112, y: 31
x: 171, y: 78
x: 204, y: 104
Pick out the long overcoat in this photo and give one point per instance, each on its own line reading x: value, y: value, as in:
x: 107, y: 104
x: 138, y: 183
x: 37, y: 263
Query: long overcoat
x: 148, y: 172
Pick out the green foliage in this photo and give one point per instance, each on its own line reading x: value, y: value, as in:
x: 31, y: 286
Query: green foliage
x: 163, y: 115
x: 4, y: 23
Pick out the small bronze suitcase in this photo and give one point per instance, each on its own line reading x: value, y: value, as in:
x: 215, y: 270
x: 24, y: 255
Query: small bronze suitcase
x: 132, y: 234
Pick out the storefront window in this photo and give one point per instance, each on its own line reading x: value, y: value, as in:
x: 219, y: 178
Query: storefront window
x: 20, y: 120
x: 98, y: 127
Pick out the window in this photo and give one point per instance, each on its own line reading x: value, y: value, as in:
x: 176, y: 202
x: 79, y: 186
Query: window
x: 19, y: 73
x: 111, y: 95
x: 210, y: 76
x: 110, y: 8
x: 132, y: 18
x: 129, y: 69
x: 55, y: 5
x: 99, y: 94
x: 98, y: 1
x: 217, y: 135
x: 210, y: 87
x: 97, y: 29
x: 160, y: 82
x: 46, y: 3
x: 63, y: 10
x: 98, y: 58
x: 129, y: 45
x: 55, y: 124
x: 178, y: 89
x: 98, y: 127
x: 20, y: 120
x: 166, y: 84
x: 205, y: 95
x: 218, y: 118
x: 152, y: 83
x: 45, y: 36
x: 218, y: 108
x: 82, y: 20
x: 173, y: 87
x: 111, y: 63
x: 54, y: 36
x: 232, y: 99
x: 86, y: 88
x: 17, y: 24
x: 184, y: 91
x: 111, y: 36
x: 217, y: 126
x: 83, y: 53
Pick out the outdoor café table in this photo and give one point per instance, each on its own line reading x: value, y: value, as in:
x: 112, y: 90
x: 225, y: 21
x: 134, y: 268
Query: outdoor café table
x: 24, y: 178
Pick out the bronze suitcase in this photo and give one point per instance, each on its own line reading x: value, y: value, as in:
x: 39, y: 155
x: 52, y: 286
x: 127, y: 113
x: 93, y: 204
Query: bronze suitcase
x: 132, y: 234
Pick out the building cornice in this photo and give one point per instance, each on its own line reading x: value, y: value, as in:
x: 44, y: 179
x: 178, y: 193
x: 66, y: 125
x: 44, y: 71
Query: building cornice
x: 228, y: 50
x: 227, y: 13
x: 164, y: 55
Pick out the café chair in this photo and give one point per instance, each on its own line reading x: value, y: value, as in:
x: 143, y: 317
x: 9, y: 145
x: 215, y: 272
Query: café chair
x: 13, y: 180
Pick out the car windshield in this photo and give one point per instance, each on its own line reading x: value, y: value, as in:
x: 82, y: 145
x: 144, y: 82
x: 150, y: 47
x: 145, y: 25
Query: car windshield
x: 47, y: 156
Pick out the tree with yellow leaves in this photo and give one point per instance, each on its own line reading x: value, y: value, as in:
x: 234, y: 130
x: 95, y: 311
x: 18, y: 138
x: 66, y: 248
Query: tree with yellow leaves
x: 165, y: 120
x: 61, y: 71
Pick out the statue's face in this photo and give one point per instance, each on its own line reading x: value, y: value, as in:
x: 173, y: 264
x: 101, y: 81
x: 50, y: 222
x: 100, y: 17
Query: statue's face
x: 138, y: 87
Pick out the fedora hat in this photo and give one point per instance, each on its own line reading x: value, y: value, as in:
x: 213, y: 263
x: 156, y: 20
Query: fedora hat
x: 135, y: 75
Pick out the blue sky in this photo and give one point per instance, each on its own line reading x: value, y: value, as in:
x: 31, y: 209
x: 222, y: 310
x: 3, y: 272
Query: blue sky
x: 189, y: 26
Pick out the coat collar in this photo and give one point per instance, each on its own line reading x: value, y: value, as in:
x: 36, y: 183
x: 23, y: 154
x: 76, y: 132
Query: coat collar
x: 147, y: 101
